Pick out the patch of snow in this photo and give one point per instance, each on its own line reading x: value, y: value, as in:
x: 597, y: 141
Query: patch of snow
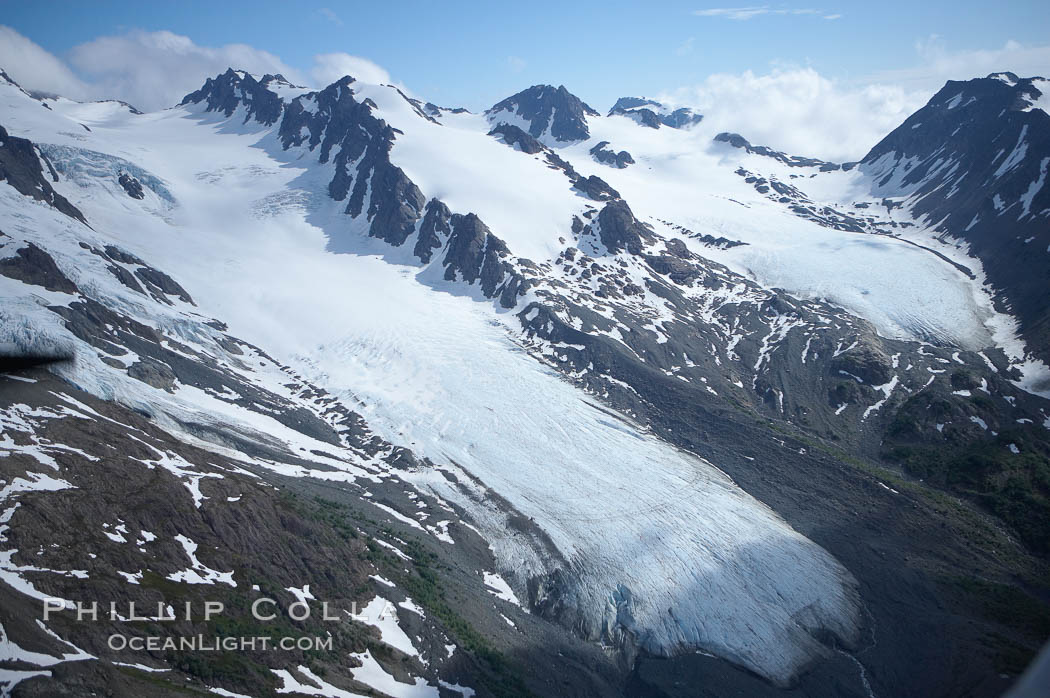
x: 498, y: 587
x: 198, y: 572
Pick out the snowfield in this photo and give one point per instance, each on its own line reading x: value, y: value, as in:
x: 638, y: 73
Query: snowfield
x: 683, y: 177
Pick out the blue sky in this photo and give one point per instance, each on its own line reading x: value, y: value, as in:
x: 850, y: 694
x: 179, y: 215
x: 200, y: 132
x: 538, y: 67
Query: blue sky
x: 476, y: 53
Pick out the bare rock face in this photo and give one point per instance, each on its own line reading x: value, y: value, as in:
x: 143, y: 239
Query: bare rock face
x: 620, y: 230
x: 337, y: 122
x: 153, y: 372
x: 596, y: 188
x: 549, y: 110
x: 434, y: 230
x: 866, y: 362
x: 514, y: 136
x: 474, y: 254
x: 606, y: 155
x: 131, y: 185
x: 34, y: 266
x: 20, y: 167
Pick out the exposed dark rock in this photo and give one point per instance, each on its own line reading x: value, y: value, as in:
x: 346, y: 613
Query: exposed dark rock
x: 152, y: 372
x: 475, y: 254
x: 512, y: 135
x: 644, y: 116
x: 233, y: 89
x: 718, y: 241
x: 34, y: 266
x: 160, y: 283
x: 608, y: 156
x: 126, y: 278
x: 675, y: 267
x: 651, y: 113
x: 678, y: 249
x: 548, y: 108
x: 130, y: 107
x: 20, y: 167
x: 738, y: 141
x: 417, y: 106
x: 803, y: 207
x: 559, y: 163
x: 395, y: 205
x: 131, y: 185
x: 682, y: 117
x: 596, y: 188
x: 865, y: 362
x: 705, y: 239
x: 619, y: 230
x: 119, y: 255
x: 338, y: 119
x: 435, y: 110
x: 963, y: 380
x: 434, y: 230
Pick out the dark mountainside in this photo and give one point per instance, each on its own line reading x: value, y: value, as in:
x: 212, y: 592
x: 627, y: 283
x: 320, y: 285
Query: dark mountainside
x: 966, y: 161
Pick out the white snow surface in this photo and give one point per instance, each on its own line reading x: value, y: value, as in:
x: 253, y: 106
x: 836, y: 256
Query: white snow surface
x: 1043, y: 101
x: 498, y: 587
x: 683, y: 177
x: 382, y: 615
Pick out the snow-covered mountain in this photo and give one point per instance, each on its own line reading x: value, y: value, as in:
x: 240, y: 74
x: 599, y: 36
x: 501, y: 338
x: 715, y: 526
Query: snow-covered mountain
x: 972, y: 165
x: 665, y: 393
x: 651, y: 113
x: 547, y: 113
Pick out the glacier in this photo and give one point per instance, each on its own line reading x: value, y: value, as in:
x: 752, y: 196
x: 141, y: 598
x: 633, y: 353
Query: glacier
x: 657, y: 549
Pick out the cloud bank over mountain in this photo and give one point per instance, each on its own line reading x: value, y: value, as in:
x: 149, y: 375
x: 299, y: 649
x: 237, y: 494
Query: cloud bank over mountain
x: 792, y: 108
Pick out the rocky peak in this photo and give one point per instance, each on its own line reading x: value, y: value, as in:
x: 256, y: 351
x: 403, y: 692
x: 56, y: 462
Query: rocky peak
x: 276, y: 79
x: 964, y: 112
x: 737, y: 141
x: 651, y: 113
x: 432, y: 109
x: 974, y: 160
x: 227, y: 91
x: 548, y: 111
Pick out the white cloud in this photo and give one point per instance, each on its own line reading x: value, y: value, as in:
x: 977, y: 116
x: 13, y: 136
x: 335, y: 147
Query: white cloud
x: 742, y: 14
x: 154, y: 70
x: 35, y: 69
x: 329, y: 67
x: 516, y: 63
x: 331, y: 16
x: 937, y: 64
x: 800, y: 111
